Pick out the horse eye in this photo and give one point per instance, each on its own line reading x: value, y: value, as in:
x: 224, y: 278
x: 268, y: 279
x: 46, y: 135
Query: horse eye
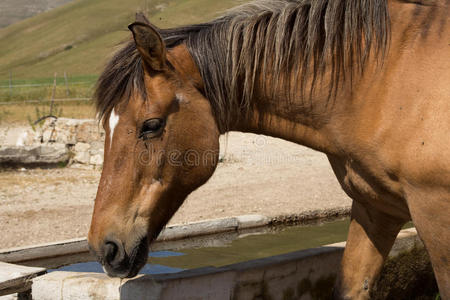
x: 152, y: 128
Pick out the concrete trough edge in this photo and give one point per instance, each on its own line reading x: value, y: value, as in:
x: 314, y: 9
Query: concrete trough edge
x: 312, y: 215
x: 170, y: 233
x: 20, y: 254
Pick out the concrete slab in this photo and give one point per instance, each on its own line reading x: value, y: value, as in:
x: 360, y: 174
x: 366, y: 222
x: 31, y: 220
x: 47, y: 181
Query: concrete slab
x: 37, y: 154
x: 252, y: 221
x: 198, y: 228
x: 16, y: 278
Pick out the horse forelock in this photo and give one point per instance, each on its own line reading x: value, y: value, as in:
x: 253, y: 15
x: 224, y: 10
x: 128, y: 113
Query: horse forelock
x: 301, y: 40
x: 122, y: 76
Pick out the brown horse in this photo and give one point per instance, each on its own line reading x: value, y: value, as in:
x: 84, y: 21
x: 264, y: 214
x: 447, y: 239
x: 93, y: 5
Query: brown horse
x: 366, y: 82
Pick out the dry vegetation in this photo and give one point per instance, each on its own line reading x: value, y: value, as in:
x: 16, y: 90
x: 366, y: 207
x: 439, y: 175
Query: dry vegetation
x: 28, y: 113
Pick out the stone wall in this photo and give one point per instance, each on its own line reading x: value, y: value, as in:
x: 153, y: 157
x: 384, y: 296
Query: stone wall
x: 77, y: 143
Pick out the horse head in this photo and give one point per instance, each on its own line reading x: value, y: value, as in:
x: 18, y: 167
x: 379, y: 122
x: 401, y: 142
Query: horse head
x: 161, y: 143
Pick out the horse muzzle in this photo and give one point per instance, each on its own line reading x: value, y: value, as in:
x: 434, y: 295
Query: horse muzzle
x: 117, y: 261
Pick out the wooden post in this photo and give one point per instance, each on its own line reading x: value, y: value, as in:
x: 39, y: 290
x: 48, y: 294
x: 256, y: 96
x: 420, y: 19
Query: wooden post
x: 10, y: 84
x: 53, y: 95
x: 67, y: 84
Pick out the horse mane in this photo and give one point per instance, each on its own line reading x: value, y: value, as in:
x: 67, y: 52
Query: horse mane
x: 296, y: 41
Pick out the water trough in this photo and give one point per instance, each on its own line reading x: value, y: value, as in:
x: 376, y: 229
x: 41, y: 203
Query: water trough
x: 205, y: 260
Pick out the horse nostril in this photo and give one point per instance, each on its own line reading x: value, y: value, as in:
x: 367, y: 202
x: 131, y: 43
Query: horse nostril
x: 110, y: 251
x: 114, y: 253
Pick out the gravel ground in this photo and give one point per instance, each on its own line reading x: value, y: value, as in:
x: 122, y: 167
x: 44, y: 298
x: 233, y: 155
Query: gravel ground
x: 259, y: 175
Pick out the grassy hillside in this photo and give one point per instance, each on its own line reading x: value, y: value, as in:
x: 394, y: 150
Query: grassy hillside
x: 12, y: 11
x: 78, y: 37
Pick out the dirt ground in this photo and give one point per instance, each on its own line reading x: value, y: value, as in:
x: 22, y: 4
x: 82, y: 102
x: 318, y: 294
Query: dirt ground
x: 259, y: 175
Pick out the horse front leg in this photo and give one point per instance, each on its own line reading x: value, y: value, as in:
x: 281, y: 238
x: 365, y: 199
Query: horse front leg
x: 370, y: 238
x: 430, y: 211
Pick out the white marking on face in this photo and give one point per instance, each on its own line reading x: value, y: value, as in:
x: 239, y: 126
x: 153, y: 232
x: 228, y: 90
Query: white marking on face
x: 113, y: 120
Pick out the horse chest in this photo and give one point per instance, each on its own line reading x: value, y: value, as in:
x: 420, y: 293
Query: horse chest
x: 369, y: 186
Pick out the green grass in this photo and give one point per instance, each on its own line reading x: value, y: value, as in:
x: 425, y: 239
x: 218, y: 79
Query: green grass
x: 80, y: 36
x: 42, y: 89
x: 49, y: 80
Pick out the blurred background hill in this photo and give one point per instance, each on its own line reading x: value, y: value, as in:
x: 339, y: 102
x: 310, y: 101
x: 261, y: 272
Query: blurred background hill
x: 12, y: 11
x: 80, y: 35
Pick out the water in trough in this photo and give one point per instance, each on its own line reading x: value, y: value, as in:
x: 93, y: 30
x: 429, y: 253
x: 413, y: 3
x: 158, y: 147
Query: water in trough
x: 232, y: 248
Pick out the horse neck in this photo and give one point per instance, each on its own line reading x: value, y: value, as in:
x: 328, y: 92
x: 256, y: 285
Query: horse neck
x: 303, y: 122
x: 319, y: 122
x: 307, y: 121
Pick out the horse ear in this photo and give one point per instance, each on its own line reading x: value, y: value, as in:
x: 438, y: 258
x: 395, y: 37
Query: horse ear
x: 150, y: 45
